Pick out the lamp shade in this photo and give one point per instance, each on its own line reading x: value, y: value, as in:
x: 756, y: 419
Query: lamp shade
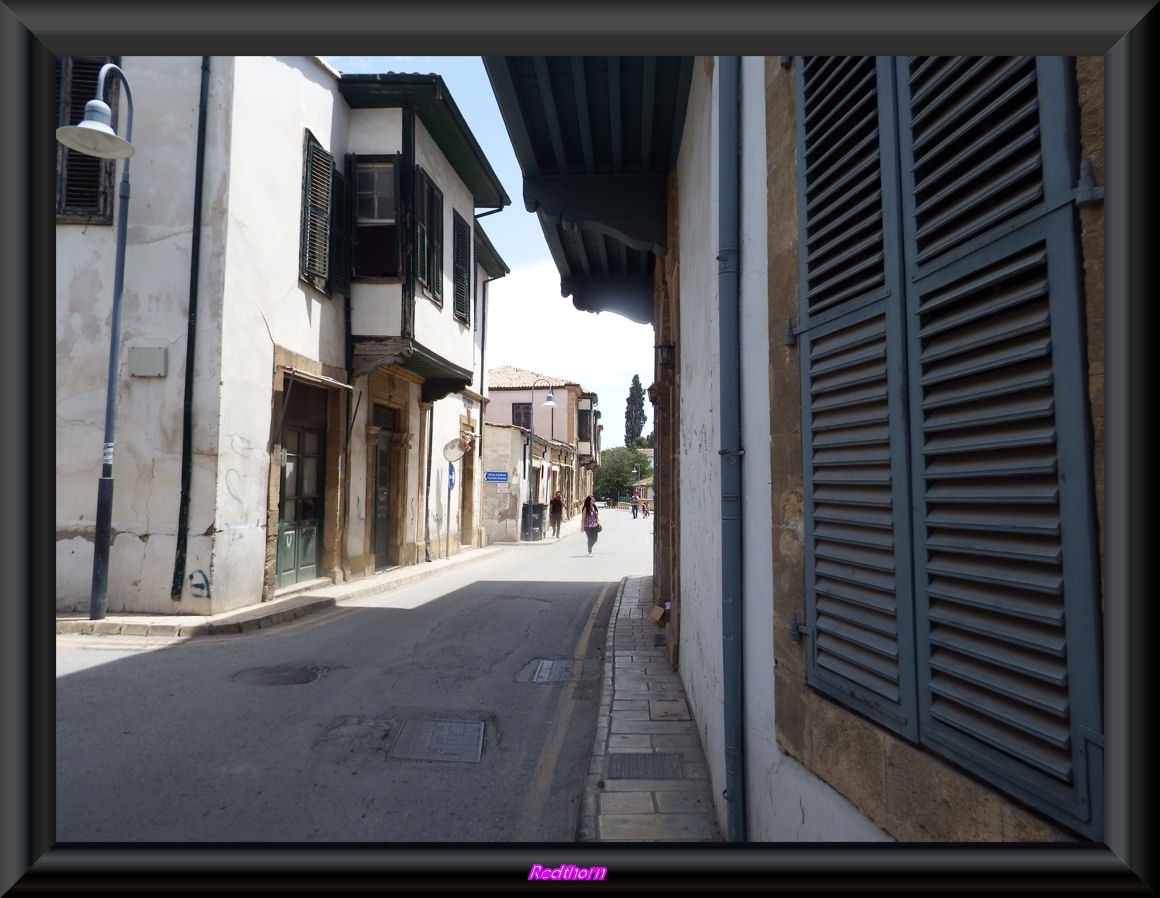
x: 550, y: 402
x: 94, y: 136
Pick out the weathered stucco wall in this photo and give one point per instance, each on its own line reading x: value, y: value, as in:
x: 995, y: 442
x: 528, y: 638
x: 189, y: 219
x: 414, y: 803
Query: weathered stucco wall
x: 503, y: 449
x: 155, y: 302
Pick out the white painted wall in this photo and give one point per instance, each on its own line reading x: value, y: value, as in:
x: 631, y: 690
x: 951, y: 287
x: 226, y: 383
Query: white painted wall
x: 784, y: 801
x: 436, y: 326
x: 700, y: 513
x: 155, y: 301
x: 265, y: 302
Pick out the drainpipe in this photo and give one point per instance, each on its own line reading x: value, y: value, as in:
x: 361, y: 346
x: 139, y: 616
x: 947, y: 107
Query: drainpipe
x: 427, y: 488
x: 190, y: 345
x: 729, y: 292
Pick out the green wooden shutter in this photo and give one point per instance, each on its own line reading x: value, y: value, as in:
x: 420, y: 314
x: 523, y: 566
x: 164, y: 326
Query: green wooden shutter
x: 341, y: 235
x: 462, y: 274
x: 317, y: 192
x: 84, y: 183
x: 435, y: 231
x: 857, y: 562
x: 422, y: 228
x: 1006, y: 586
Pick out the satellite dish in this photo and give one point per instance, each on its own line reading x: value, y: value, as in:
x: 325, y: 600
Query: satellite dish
x: 455, y: 449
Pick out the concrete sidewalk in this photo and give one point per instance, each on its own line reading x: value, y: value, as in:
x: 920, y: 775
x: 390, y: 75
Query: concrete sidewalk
x: 648, y: 780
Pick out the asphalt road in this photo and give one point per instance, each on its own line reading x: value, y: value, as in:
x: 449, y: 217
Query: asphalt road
x: 358, y: 724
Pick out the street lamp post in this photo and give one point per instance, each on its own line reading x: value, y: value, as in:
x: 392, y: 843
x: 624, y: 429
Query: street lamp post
x: 548, y: 403
x: 94, y: 136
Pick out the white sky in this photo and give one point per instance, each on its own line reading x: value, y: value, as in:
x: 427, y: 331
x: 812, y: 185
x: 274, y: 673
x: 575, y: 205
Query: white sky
x: 529, y: 324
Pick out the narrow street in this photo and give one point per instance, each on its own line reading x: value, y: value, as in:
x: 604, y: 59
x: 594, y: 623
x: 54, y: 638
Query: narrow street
x: 426, y: 713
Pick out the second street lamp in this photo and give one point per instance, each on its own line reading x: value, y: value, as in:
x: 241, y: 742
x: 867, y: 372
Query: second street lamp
x: 548, y: 403
x: 94, y: 136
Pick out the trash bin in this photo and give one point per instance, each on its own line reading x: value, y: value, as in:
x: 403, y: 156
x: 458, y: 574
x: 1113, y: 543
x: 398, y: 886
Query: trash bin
x: 532, y: 525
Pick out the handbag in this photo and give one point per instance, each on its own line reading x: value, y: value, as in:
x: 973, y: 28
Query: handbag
x: 599, y: 527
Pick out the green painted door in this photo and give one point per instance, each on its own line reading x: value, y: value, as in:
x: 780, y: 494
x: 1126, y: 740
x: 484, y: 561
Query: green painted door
x: 300, y: 511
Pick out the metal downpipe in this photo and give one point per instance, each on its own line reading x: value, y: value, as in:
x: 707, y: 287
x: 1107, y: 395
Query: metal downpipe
x: 182, y: 536
x: 729, y: 331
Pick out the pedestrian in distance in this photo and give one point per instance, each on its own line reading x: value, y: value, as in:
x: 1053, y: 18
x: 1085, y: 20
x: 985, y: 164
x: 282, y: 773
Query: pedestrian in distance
x: 590, y: 521
x: 556, y: 513
x: 635, y: 505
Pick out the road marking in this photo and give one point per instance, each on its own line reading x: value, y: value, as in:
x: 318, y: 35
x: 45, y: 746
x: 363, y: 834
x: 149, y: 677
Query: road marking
x: 550, y: 756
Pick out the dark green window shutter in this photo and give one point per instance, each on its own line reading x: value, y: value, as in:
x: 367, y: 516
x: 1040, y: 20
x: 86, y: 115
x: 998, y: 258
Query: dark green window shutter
x: 429, y: 234
x: 435, y: 235
x: 317, y: 191
x: 462, y: 276
x: 422, y: 228
x: 341, y: 235
x: 84, y: 183
x: 1006, y: 582
x: 857, y: 552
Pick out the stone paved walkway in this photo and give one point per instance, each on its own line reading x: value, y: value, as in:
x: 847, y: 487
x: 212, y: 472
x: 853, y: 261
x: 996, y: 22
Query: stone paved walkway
x: 648, y: 780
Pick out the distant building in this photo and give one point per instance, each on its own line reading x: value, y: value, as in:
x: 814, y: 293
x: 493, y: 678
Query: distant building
x: 567, y: 447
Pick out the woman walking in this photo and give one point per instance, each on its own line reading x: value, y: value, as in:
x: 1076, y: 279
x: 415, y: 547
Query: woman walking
x: 590, y: 521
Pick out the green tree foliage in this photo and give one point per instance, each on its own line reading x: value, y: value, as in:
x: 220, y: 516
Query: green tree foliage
x: 634, y: 416
x: 619, y: 469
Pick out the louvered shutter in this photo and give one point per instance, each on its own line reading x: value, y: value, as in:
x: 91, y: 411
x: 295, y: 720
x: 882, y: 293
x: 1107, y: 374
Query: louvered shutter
x: 316, y: 210
x: 1005, y: 587
x: 857, y: 548
x: 422, y: 227
x: 462, y: 274
x: 341, y: 235
x: 84, y: 182
x: 435, y: 235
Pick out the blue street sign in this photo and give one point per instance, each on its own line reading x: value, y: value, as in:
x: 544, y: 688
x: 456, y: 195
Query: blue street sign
x: 450, y: 476
x: 495, y: 476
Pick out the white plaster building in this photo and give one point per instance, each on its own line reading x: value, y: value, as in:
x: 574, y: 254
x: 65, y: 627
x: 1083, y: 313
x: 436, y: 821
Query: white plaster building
x: 306, y: 244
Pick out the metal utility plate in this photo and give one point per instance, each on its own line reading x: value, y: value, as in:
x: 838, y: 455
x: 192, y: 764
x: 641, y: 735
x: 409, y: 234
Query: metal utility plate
x: 439, y: 740
x: 565, y: 671
x: 643, y: 766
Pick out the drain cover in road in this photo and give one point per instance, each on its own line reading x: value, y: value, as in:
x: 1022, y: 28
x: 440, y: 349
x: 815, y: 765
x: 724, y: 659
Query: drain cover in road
x: 643, y: 766
x: 565, y: 671
x: 439, y: 740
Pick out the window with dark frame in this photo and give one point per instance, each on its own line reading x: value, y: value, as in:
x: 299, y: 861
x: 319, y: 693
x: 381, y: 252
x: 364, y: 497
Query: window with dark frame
x: 522, y: 414
x: 84, y: 184
x: 429, y: 235
x: 376, y: 248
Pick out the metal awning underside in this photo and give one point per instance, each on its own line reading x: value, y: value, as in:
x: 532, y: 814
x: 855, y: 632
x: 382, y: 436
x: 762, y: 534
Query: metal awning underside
x: 596, y: 137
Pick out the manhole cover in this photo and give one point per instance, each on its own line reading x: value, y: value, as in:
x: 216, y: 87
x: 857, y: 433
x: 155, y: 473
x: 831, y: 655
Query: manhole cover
x: 277, y: 676
x: 565, y: 671
x: 439, y: 740
x: 643, y: 766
